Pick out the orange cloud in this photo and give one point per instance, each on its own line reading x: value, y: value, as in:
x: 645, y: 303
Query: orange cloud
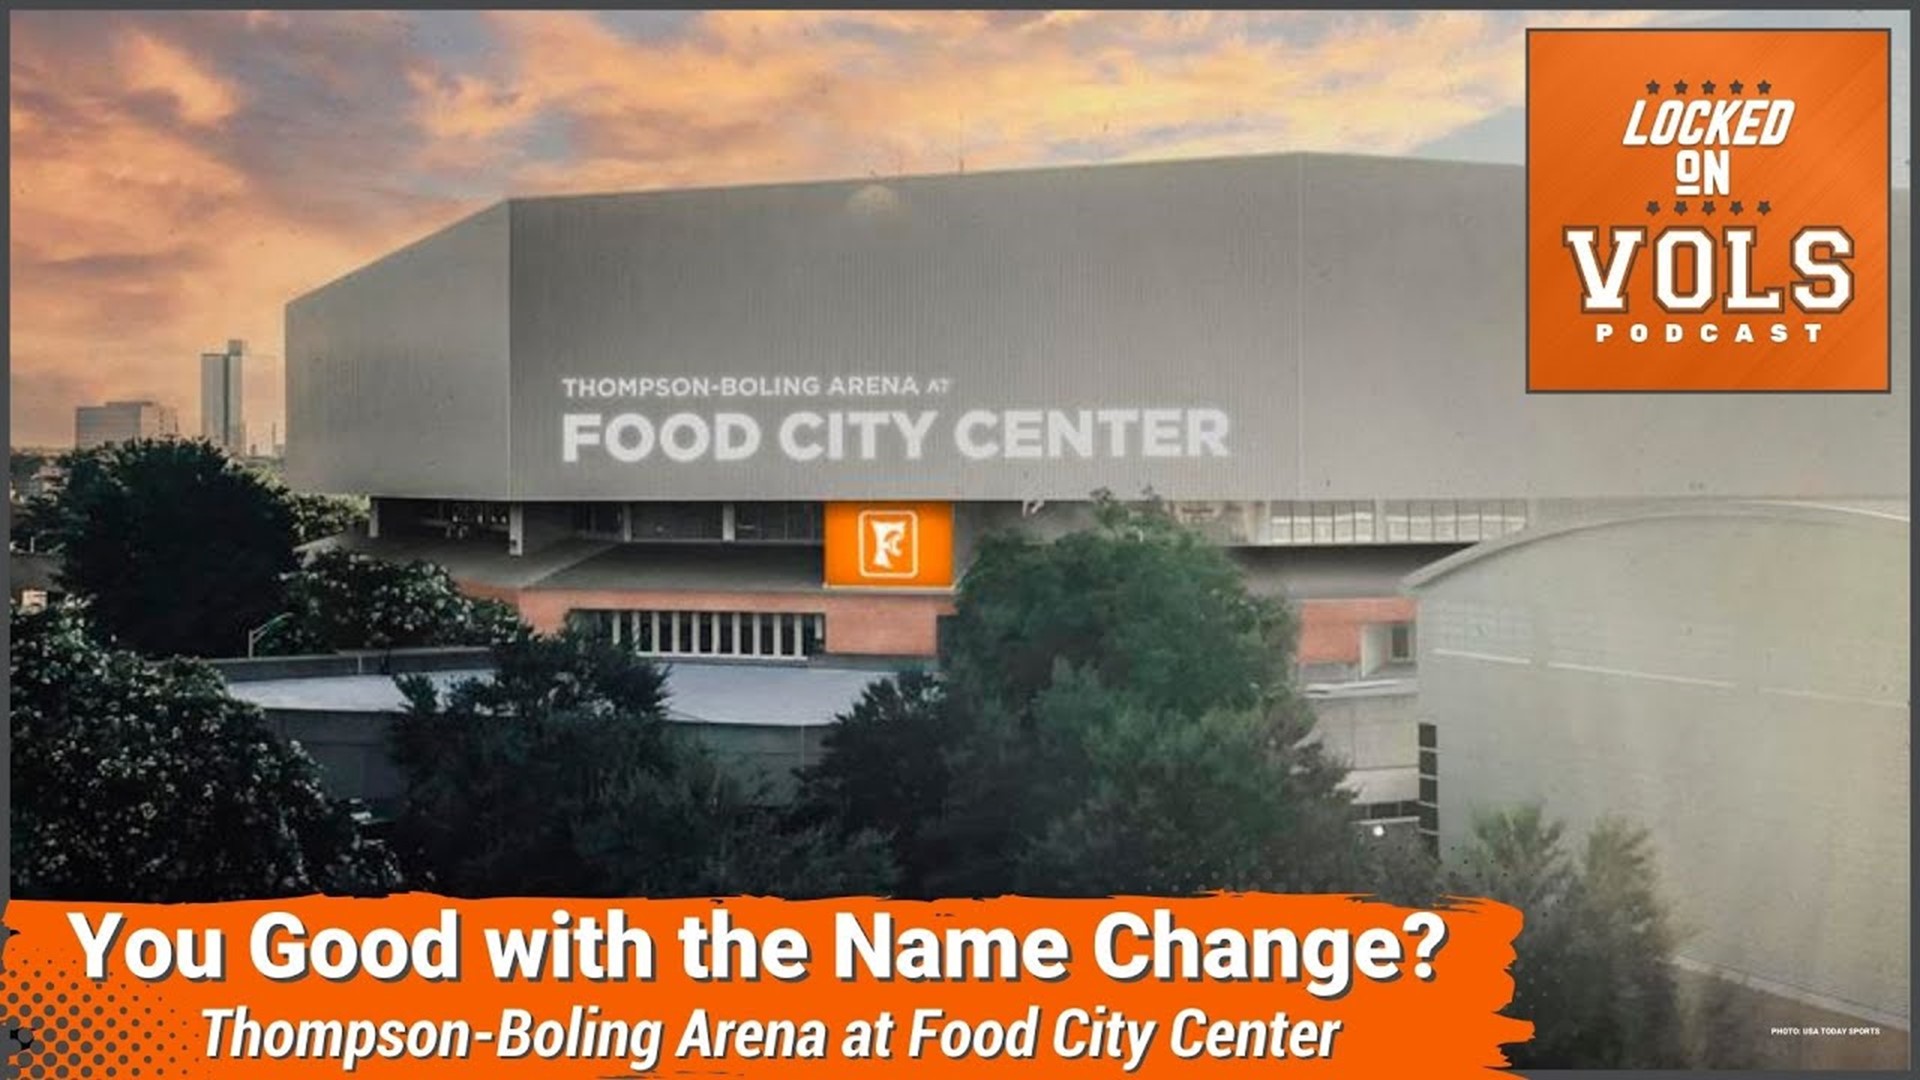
x: 153, y: 65
x: 220, y: 163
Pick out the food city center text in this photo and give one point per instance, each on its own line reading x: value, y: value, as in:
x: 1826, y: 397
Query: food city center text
x: 876, y: 434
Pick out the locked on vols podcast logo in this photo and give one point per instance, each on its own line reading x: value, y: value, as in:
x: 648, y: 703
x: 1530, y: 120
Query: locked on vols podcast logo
x: 1707, y: 210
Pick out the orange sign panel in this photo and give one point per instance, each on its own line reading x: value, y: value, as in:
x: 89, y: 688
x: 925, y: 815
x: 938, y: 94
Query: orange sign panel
x: 890, y: 545
x: 1708, y: 210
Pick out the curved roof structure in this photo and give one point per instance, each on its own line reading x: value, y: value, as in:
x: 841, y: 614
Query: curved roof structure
x: 1884, y: 514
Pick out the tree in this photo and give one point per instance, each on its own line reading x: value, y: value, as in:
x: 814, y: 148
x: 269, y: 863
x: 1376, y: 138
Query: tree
x: 1593, y: 967
x: 177, y: 549
x: 316, y: 517
x: 560, y: 776
x: 22, y: 464
x: 883, y: 772
x: 1115, y: 713
x: 343, y: 600
x: 1174, y: 805
x: 144, y: 782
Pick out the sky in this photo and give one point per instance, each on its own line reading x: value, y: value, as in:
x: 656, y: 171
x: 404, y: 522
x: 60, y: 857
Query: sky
x: 177, y: 177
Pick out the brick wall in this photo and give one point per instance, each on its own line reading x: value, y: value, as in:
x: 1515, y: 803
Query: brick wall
x: 858, y: 623
x: 1330, y: 629
x: 904, y: 624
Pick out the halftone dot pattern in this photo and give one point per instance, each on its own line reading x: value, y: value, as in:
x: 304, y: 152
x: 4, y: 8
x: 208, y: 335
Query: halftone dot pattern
x: 59, y: 1028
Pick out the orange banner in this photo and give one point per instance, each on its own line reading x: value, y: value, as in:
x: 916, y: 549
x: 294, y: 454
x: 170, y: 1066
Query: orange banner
x: 890, y: 545
x: 419, y: 985
x: 1708, y: 210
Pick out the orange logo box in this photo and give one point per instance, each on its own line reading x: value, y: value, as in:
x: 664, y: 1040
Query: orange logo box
x: 1708, y: 210
x: 890, y: 545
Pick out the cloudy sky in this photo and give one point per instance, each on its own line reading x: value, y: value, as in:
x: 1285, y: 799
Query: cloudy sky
x: 177, y: 177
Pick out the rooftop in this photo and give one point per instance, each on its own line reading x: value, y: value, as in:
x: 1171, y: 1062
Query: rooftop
x: 765, y: 695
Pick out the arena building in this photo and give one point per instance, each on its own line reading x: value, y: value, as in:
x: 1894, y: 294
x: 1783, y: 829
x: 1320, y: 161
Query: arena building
x: 770, y: 421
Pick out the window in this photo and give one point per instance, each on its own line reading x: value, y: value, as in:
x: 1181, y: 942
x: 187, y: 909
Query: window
x: 676, y: 520
x: 777, y: 522
x: 464, y: 518
x: 1400, y: 643
x: 750, y: 634
x: 599, y: 519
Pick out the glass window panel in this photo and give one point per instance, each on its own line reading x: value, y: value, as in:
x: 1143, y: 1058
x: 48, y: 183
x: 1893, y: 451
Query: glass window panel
x: 1420, y: 521
x: 1396, y: 523
x: 676, y: 521
x: 776, y: 522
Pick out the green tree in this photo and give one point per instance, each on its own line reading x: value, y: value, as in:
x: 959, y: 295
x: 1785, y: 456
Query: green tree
x: 561, y: 776
x: 1170, y: 804
x: 22, y: 464
x: 885, y: 772
x: 1115, y: 713
x: 144, y: 782
x: 1593, y: 968
x: 177, y: 549
x: 316, y: 517
x: 341, y: 600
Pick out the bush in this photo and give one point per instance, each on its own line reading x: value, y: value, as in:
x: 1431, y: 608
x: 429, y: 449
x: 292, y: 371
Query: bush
x: 343, y: 600
x: 1594, y: 960
x: 144, y: 782
x: 560, y: 776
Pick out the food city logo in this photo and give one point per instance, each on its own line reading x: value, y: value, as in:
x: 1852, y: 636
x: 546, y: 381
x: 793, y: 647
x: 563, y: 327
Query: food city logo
x: 889, y: 544
x: 1726, y: 231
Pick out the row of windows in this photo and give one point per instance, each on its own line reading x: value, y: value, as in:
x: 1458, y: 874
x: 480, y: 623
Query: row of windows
x: 757, y: 634
x: 760, y: 522
x: 1429, y: 800
x: 1394, y: 521
x: 1356, y: 521
x: 460, y: 517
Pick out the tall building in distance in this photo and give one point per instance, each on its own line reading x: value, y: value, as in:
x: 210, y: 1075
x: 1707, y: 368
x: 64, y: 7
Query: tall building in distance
x: 122, y: 421
x: 221, y: 422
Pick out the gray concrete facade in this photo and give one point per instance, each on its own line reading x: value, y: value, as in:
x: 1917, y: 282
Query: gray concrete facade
x: 1350, y: 327
x: 1734, y: 678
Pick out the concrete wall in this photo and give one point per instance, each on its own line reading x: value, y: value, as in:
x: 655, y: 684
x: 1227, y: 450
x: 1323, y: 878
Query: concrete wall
x: 397, y: 373
x: 1735, y: 680
x: 1377, y: 735
x: 1361, y: 320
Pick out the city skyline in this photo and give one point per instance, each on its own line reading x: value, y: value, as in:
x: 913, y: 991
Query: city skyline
x: 178, y: 177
